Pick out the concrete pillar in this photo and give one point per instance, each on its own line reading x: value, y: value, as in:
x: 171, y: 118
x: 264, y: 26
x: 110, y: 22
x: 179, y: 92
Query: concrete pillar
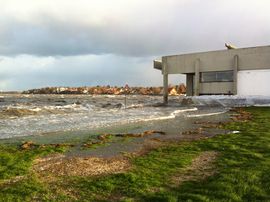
x: 235, y: 71
x: 165, y: 80
x: 189, y: 84
x: 165, y: 89
x: 197, y: 77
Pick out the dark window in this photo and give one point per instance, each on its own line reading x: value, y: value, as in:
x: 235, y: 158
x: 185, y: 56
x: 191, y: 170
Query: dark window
x: 224, y: 76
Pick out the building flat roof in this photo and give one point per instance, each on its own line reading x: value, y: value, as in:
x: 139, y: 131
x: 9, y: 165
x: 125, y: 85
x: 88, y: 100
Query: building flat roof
x: 219, y: 60
x: 219, y: 51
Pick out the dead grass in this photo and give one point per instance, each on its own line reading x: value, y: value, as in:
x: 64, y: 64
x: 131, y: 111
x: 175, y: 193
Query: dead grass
x: 241, y: 115
x: 148, y: 146
x: 201, y: 168
x: 77, y: 166
x: 12, y: 180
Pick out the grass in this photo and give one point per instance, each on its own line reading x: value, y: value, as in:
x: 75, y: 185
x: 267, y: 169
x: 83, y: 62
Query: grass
x: 149, y: 172
x: 15, y: 163
x: 243, y: 166
x: 243, y: 171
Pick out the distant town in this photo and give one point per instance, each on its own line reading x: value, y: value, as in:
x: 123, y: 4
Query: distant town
x: 109, y: 90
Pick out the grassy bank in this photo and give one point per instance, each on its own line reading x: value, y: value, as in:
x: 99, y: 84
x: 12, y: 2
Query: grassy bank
x: 237, y: 171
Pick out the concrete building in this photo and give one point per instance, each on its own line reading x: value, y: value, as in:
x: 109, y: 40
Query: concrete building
x: 243, y: 71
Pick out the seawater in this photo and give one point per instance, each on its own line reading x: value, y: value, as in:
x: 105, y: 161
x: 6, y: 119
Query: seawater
x: 35, y: 115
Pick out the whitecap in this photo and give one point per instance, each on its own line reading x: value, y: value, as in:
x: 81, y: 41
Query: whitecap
x: 135, y: 106
x: 235, y: 132
x: 208, y: 114
x: 172, y: 115
x: 262, y: 105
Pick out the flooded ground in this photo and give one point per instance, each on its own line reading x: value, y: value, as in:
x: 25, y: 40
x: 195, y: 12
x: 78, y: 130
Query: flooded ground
x: 78, y: 119
x: 37, y: 115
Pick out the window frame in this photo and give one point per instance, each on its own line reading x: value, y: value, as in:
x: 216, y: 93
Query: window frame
x: 216, y: 76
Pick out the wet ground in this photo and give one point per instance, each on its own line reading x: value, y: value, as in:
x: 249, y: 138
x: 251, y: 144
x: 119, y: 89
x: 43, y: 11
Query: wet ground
x: 179, y: 129
x: 182, y: 120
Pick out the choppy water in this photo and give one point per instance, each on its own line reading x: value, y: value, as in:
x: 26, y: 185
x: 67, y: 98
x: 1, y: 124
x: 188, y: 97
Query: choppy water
x: 25, y: 115
x: 32, y: 115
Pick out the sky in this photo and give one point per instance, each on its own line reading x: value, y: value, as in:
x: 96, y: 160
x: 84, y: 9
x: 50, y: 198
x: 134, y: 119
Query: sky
x: 114, y: 42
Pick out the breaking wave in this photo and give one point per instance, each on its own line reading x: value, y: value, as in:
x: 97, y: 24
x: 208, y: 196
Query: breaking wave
x: 172, y: 115
x: 17, y: 112
x: 208, y: 114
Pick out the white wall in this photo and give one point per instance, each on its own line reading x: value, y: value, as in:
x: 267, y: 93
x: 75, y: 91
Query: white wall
x: 253, y: 82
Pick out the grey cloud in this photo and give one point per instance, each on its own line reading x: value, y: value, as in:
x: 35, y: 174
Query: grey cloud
x: 23, y: 72
x: 119, y: 49
x: 194, y: 26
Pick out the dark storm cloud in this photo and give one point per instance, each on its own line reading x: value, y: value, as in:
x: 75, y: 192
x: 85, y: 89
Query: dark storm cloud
x: 100, y: 42
x: 194, y: 25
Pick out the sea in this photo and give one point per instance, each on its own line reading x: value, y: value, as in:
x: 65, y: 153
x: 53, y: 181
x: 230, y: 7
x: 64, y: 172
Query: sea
x: 24, y: 115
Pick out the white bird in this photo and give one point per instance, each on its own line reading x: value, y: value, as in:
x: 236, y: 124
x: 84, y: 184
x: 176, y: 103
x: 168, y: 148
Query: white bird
x: 229, y: 46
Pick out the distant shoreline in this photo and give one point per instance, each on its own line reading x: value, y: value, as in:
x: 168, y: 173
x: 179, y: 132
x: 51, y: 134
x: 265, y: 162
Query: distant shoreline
x: 107, y: 90
x: 10, y: 92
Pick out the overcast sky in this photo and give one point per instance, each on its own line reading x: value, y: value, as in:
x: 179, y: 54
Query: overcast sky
x: 113, y: 42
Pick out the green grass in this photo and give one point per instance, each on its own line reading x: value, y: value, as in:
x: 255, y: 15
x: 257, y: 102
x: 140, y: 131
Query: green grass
x: 244, y: 164
x: 243, y: 171
x: 149, y: 172
x: 15, y: 162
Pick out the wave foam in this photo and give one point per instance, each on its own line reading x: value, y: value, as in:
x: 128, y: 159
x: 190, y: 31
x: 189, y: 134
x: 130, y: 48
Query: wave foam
x: 262, y: 105
x: 208, y: 114
x: 172, y: 115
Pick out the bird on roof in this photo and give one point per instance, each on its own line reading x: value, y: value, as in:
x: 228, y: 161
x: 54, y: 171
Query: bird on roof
x: 229, y: 46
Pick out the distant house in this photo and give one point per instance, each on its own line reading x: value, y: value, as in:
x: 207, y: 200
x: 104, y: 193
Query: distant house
x: 243, y: 71
x: 61, y: 89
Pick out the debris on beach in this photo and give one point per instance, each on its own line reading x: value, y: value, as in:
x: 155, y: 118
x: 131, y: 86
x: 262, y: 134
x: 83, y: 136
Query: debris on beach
x: 209, y: 124
x: 101, y: 139
x: 145, y: 133
x: 59, y: 145
x: 28, y: 145
x: 187, y: 102
x: 241, y: 115
x: 191, y: 132
x: 31, y: 145
x: 60, y: 165
x: 104, y: 138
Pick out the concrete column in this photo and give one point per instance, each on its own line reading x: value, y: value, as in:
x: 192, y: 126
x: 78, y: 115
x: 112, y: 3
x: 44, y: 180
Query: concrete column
x: 197, y: 77
x: 165, y: 80
x: 165, y: 89
x: 189, y: 84
x: 235, y: 71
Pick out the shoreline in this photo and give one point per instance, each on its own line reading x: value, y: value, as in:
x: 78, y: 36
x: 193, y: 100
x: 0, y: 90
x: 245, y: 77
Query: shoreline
x: 173, y: 123
x: 75, y: 116
x: 157, y: 172
x: 118, y: 147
